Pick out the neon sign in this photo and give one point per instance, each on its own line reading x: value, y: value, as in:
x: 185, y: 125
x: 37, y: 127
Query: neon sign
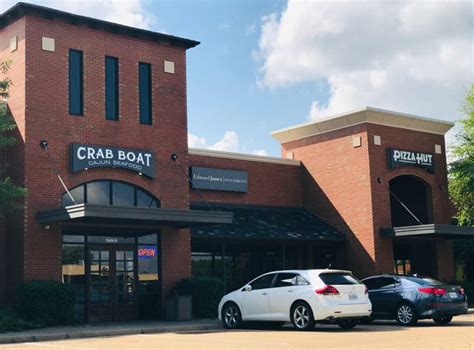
x: 147, y: 252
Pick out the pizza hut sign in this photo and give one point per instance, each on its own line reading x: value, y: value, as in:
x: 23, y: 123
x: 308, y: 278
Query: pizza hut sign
x: 399, y: 157
x: 92, y: 156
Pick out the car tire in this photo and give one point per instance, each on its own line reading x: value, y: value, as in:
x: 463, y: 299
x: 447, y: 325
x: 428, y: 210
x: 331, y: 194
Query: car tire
x: 443, y: 320
x: 405, y: 315
x: 231, y: 316
x: 347, y: 324
x: 302, y: 316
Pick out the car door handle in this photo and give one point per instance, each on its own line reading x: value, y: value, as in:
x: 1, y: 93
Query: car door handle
x: 264, y: 293
x: 290, y: 290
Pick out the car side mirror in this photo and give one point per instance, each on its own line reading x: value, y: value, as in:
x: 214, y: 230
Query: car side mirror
x: 248, y: 288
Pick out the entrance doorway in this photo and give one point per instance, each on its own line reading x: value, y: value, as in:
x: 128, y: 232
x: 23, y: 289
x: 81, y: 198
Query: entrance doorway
x: 111, y: 274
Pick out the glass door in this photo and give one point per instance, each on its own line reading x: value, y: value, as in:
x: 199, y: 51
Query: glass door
x: 111, y: 277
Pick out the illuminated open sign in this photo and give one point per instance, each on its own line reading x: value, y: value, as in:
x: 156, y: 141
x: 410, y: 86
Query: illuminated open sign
x: 147, y: 252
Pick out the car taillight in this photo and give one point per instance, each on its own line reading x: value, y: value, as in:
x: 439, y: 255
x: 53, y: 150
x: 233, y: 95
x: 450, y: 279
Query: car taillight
x: 327, y: 290
x: 431, y: 290
x: 366, y: 290
x: 461, y: 291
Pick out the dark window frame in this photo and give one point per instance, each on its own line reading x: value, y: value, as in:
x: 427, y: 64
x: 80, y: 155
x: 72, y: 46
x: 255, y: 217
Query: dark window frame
x: 80, y: 111
x: 115, y: 92
x: 145, y: 92
x: 110, y: 184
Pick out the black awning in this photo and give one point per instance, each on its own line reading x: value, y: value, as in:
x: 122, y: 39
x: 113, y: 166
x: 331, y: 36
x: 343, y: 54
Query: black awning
x: 113, y: 215
x: 263, y: 222
x: 431, y: 230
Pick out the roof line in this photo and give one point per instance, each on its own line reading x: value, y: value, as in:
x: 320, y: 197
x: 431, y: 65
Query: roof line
x: 21, y: 9
x: 242, y: 156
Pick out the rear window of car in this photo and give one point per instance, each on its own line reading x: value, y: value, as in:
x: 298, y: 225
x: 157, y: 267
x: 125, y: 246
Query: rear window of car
x: 338, y: 278
x: 424, y: 281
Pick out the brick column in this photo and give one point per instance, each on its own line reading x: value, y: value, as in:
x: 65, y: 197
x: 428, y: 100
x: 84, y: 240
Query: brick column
x: 445, y: 260
x: 175, y: 258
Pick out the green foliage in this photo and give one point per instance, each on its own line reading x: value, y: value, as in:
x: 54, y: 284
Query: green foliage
x: 46, y: 302
x: 461, y: 171
x: 9, y: 193
x: 9, y: 322
x: 206, y: 292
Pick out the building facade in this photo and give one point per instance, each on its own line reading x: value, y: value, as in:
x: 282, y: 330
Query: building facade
x: 121, y: 209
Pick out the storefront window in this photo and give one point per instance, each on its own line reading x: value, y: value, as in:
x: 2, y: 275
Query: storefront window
x: 148, y: 263
x: 73, y: 263
x: 107, y: 192
x: 402, y: 267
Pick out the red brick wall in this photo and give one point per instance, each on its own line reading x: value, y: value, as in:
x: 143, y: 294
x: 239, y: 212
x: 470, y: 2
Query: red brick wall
x: 12, y: 259
x: 409, y: 140
x: 47, y: 118
x: 269, y: 183
x: 336, y: 187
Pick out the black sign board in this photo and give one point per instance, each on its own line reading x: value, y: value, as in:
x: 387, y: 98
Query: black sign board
x: 219, y: 179
x: 399, y: 157
x: 92, y: 156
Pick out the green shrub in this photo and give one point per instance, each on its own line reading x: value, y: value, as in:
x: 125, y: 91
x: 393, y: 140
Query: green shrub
x: 206, y: 292
x: 10, y: 323
x: 47, y: 302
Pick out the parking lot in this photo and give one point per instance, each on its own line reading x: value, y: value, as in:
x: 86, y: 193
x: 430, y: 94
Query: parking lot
x: 379, y: 335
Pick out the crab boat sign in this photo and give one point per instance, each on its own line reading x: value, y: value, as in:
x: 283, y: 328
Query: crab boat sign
x: 85, y: 156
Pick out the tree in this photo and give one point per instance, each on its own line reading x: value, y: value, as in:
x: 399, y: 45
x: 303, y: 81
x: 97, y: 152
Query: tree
x: 8, y: 191
x: 461, y: 184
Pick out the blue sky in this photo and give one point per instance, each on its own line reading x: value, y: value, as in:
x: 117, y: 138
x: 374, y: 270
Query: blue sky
x: 267, y: 64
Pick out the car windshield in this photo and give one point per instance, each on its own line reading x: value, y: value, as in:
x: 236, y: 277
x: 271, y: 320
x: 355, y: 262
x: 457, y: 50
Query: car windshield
x: 338, y: 278
x: 424, y: 281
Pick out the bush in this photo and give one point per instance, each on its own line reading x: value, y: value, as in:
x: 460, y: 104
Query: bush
x: 206, y: 293
x: 46, y: 302
x: 10, y: 323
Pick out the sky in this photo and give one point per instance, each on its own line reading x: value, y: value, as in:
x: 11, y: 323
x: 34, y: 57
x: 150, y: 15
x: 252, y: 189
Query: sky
x: 266, y: 65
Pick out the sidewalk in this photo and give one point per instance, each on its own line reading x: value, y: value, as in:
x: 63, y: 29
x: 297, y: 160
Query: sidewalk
x: 105, y: 329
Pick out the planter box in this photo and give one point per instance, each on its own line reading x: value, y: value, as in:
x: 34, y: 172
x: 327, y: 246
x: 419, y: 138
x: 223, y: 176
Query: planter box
x: 179, y: 308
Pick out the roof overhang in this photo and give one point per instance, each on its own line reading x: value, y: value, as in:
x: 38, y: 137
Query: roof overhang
x: 21, y: 9
x: 130, y: 216
x: 432, y: 230
x: 364, y: 115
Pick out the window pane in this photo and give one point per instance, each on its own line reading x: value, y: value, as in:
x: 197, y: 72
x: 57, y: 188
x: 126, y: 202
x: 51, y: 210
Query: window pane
x: 145, y: 200
x: 148, y: 263
x: 123, y: 194
x: 78, y: 195
x: 75, y: 82
x: 149, y: 239
x: 263, y: 282
x: 73, y: 267
x: 285, y: 280
x: 338, y: 278
x: 201, y: 264
x: 111, y: 88
x: 98, y: 192
x: 144, y: 76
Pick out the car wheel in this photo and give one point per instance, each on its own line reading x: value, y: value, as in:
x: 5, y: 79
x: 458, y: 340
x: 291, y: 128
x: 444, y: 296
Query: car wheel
x: 347, y: 324
x: 405, y: 315
x: 443, y: 319
x: 302, y: 316
x: 231, y: 316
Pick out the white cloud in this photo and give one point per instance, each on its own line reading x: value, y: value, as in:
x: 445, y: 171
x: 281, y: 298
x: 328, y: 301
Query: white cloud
x: 128, y: 12
x: 228, y: 143
x: 409, y: 56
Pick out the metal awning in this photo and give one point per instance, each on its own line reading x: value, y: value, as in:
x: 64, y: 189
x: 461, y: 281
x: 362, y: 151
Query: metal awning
x: 113, y: 215
x: 431, y: 230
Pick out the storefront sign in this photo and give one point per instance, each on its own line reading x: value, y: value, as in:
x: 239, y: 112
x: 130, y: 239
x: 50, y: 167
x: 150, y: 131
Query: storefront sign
x: 147, y: 252
x: 92, y: 156
x: 398, y: 157
x: 219, y: 179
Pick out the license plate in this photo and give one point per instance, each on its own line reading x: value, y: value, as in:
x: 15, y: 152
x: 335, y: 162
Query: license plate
x: 453, y: 295
x: 353, y: 296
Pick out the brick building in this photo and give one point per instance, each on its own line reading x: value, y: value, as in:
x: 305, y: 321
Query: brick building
x: 102, y: 152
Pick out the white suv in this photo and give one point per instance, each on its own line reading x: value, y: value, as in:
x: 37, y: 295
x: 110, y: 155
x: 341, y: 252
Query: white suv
x: 300, y: 296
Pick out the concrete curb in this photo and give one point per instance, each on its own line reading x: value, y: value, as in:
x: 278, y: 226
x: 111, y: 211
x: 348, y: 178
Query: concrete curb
x: 80, y: 332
